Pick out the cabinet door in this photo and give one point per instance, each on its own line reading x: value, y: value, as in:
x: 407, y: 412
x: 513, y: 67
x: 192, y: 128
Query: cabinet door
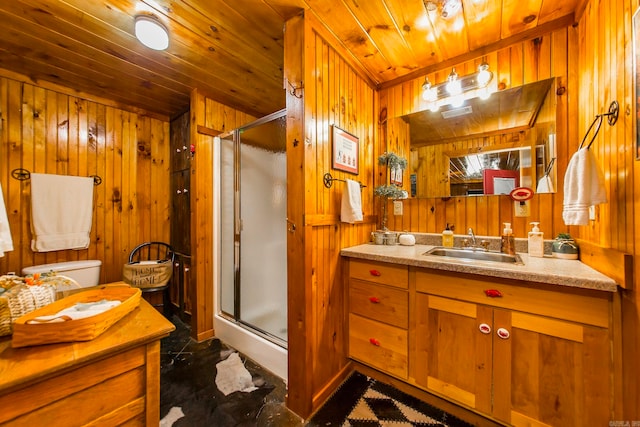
x: 550, y: 372
x: 181, y: 211
x: 453, y: 350
x: 180, y: 289
x: 180, y: 145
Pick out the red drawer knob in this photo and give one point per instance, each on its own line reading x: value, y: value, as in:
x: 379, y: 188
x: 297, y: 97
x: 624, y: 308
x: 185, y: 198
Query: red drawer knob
x: 503, y: 333
x: 374, y: 300
x: 374, y: 342
x: 492, y: 293
x: 375, y: 273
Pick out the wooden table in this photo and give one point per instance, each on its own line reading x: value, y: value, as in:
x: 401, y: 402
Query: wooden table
x: 111, y: 380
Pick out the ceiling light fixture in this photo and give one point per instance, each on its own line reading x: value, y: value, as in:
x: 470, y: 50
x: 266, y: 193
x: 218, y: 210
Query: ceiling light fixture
x: 448, y: 8
x: 453, y: 90
x: 151, y: 32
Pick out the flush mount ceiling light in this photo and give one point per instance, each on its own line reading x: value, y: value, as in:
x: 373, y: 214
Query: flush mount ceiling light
x: 151, y: 33
x: 448, y: 8
x: 452, y: 91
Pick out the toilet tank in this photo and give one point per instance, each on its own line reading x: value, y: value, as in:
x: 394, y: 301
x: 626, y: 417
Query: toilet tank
x: 86, y: 273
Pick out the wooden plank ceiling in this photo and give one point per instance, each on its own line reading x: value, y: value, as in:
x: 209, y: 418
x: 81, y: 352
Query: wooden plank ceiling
x: 233, y: 49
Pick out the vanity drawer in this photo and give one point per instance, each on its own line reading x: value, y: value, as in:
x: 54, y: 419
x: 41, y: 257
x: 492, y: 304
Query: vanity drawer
x: 576, y: 305
x: 380, y: 272
x: 379, y: 302
x: 379, y: 345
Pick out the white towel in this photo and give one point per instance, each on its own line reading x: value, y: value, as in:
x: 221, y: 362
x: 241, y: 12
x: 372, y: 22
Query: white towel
x: 61, y: 212
x: 6, y: 243
x: 583, y: 187
x: 351, y: 207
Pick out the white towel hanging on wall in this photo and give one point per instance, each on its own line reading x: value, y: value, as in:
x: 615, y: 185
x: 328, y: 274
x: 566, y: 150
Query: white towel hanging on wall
x: 6, y: 243
x: 351, y: 207
x: 61, y: 212
x: 583, y: 187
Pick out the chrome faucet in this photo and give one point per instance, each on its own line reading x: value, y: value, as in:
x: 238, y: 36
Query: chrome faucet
x: 473, y: 238
x: 472, y: 243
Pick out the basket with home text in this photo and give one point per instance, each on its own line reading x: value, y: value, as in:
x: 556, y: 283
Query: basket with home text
x: 148, y: 274
x: 64, y: 329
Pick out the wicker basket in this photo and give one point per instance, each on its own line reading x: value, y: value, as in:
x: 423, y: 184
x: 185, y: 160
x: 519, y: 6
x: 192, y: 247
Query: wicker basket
x: 26, y: 334
x: 22, y: 299
x: 148, y: 274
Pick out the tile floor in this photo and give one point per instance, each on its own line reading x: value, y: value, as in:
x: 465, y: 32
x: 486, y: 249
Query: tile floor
x: 187, y: 381
x: 189, y: 395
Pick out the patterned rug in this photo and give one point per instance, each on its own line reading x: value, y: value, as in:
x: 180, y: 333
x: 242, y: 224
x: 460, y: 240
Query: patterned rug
x: 364, y: 402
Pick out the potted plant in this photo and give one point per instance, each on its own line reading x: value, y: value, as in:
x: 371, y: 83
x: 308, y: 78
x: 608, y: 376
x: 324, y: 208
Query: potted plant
x: 388, y: 191
x: 565, y: 247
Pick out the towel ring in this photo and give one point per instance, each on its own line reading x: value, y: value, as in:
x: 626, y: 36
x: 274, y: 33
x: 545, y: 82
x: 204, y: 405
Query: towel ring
x: 612, y: 118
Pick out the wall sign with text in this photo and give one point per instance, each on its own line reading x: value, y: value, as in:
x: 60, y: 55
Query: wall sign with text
x: 345, y: 151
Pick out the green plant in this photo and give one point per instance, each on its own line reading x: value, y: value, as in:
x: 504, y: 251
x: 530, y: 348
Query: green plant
x: 564, y: 236
x: 392, y: 161
x: 389, y: 191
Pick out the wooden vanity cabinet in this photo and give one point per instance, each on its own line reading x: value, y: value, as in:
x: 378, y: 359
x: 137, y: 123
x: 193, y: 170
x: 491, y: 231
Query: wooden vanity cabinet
x: 524, y: 354
x: 378, y: 316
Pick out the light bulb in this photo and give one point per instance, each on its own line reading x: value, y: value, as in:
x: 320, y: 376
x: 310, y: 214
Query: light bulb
x: 484, y: 75
x: 429, y: 93
x: 456, y: 101
x: 484, y: 93
x: 151, y: 33
x: 453, y: 86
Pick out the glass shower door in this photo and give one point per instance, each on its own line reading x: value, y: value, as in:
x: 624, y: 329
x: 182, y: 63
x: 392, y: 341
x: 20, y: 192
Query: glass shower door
x: 253, y: 233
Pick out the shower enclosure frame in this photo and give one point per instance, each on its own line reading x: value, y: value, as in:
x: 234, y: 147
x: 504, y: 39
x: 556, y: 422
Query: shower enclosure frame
x: 260, y: 345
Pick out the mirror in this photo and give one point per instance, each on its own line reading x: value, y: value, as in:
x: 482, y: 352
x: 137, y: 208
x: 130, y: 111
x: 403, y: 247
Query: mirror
x: 484, y: 147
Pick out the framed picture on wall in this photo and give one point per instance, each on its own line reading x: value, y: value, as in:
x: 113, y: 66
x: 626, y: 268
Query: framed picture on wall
x: 396, y: 177
x: 636, y: 75
x: 345, y: 151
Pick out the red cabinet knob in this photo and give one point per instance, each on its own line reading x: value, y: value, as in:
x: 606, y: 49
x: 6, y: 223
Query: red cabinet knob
x: 374, y: 342
x: 375, y: 273
x: 503, y: 333
x: 492, y: 293
x: 374, y: 300
x: 484, y: 328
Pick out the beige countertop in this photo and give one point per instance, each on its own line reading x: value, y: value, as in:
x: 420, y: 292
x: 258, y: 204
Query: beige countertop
x: 549, y: 270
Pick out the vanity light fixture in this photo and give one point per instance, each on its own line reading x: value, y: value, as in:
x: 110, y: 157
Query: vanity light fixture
x: 151, y: 32
x: 453, y: 84
x: 453, y: 90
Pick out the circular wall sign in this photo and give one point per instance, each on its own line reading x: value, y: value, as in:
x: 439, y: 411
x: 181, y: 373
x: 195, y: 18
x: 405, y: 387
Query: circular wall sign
x: 520, y: 194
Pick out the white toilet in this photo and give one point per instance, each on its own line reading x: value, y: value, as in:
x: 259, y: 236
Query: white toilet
x: 86, y: 273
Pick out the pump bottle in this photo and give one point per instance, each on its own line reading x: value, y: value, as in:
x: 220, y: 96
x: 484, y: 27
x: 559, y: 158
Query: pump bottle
x: 447, y: 237
x: 536, y: 241
x: 507, y: 243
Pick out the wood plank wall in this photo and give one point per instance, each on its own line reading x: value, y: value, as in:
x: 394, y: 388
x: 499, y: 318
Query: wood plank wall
x: 605, y: 72
x: 549, y: 55
x: 62, y: 132
x: 208, y: 118
x: 334, y: 94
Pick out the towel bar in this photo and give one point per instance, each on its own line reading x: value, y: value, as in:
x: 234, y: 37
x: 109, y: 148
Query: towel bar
x: 328, y: 181
x: 23, y: 174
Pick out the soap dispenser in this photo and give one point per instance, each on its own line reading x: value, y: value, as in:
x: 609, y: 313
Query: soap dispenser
x: 447, y: 237
x: 536, y: 241
x: 507, y: 243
